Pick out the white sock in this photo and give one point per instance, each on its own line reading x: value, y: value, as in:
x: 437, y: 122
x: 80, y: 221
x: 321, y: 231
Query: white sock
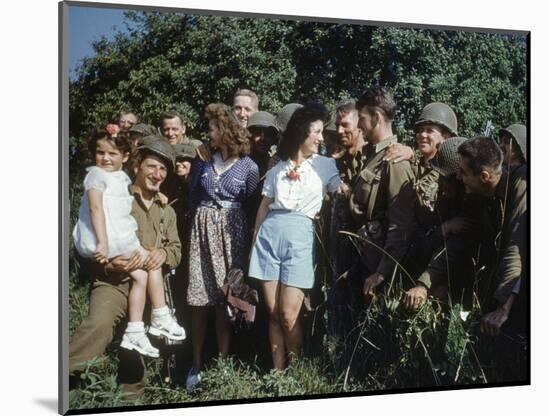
x: 158, y: 312
x: 134, y: 327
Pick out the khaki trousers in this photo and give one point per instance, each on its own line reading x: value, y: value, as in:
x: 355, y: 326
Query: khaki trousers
x: 108, y: 306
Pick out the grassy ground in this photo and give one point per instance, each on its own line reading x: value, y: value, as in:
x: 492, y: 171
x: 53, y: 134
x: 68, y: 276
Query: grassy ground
x: 388, y: 348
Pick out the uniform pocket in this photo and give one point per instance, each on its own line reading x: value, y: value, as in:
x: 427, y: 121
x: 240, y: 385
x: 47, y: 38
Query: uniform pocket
x: 362, y: 192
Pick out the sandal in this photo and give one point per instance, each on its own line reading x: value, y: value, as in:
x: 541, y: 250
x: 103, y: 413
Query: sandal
x: 139, y: 343
x: 167, y: 326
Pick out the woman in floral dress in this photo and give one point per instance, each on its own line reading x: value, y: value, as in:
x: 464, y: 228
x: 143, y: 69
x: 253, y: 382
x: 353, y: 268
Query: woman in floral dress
x: 219, y: 233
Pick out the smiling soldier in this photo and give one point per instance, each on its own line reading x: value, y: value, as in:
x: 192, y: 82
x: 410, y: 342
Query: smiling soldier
x: 245, y: 103
x: 110, y: 283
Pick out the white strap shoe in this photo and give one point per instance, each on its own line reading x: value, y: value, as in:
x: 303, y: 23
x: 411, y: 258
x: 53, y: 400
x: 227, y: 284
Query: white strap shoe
x: 139, y: 342
x: 167, y: 326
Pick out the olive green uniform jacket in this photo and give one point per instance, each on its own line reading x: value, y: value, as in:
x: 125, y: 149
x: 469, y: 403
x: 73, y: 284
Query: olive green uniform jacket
x: 154, y: 222
x: 508, y: 209
x: 426, y: 186
x: 342, y: 251
x: 381, y: 205
x: 349, y: 166
x: 109, y: 296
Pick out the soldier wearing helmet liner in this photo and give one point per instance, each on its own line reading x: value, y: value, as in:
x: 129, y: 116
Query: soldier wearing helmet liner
x: 111, y: 283
x: 435, y: 114
x: 436, y: 219
x: 448, y: 219
x: 513, y: 143
x: 502, y: 234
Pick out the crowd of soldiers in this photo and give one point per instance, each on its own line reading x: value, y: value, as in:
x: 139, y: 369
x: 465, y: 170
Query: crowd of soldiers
x: 448, y: 218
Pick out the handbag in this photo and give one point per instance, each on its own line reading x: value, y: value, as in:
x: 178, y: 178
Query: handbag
x: 239, y: 300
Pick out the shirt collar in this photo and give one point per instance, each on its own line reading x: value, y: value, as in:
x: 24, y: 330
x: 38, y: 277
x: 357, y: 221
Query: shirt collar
x: 220, y: 165
x: 385, y: 143
x: 137, y: 196
x: 308, y: 161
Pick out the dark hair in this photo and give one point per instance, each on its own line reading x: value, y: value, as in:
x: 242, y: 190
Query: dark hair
x: 170, y: 115
x: 120, y: 141
x: 481, y: 153
x: 377, y: 98
x: 297, y: 129
x: 345, y: 107
x: 233, y: 135
x: 270, y: 133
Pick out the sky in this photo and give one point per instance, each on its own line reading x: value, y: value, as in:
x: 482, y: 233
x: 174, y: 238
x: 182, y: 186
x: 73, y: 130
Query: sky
x: 87, y: 24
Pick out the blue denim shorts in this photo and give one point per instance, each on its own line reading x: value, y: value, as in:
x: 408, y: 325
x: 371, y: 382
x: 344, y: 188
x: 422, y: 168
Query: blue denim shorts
x: 283, y: 249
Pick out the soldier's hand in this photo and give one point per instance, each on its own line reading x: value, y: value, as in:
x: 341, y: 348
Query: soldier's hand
x: 343, y: 189
x: 370, y: 283
x: 396, y: 152
x: 155, y: 259
x: 415, y: 297
x: 121, y: 264
x: 493, y: 321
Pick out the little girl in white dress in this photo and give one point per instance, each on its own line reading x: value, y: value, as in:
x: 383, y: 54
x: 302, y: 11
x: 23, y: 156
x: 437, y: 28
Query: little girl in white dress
x: 105, y: 229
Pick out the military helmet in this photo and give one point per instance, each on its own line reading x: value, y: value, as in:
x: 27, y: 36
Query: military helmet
x: 142, y: 128
x: 283, y: 116
x: 184, y: 151
x: 518, y: 132
x: 447, y: 159
x: 261, y: 119
x: 160, y: 146
x: 441, y: 114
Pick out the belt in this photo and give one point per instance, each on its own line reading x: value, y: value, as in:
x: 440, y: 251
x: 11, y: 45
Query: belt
x: 221, y: 204
x: 288, y: 211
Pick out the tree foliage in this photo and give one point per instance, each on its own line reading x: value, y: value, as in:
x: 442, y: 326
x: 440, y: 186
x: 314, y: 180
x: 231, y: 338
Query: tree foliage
x: 183, y: 62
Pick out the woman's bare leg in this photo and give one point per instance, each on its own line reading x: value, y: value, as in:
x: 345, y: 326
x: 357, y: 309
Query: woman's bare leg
x: 223, y: 332
x: 199, y: 319
x: 271, y: 290
x: 290, y: 303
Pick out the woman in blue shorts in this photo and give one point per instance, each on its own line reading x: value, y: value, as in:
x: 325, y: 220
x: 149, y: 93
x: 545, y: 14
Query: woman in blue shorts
x: 282, y: 256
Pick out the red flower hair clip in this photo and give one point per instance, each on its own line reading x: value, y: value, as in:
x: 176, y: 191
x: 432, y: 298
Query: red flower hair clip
x: 112, y: 129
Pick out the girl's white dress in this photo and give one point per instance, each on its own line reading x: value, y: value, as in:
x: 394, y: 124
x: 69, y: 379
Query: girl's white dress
x: 117, y: 205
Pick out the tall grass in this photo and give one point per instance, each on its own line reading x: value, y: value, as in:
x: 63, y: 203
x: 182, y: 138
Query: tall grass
x: 387, y: 347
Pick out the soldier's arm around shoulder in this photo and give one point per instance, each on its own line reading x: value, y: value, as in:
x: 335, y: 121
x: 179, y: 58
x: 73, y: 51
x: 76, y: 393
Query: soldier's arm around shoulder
x: 400, y: 183
x: 172, y: 246
x: 400, y: 201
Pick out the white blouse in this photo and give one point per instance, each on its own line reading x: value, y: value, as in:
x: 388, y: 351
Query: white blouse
x: 305, y: 193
